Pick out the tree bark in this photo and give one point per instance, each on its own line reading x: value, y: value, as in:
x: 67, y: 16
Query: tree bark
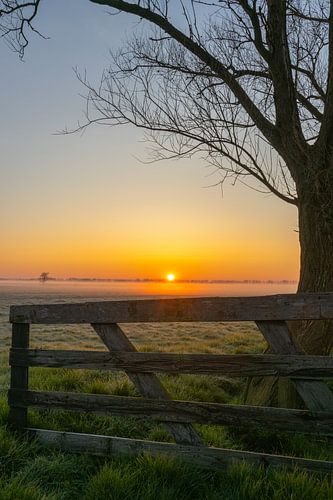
x: 315, y: 215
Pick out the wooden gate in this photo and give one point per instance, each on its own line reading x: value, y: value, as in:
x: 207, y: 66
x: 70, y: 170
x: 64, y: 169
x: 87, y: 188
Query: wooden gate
x: 270, y: 313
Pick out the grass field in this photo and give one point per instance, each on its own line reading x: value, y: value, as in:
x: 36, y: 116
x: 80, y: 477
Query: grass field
x: 30, y: 471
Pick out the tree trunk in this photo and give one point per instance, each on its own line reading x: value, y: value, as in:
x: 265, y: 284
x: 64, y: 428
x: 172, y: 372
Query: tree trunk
x: 315, y: 212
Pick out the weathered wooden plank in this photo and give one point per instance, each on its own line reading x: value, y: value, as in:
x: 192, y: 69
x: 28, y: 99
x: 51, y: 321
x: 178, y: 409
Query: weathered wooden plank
x: 278, y: 337
x: 17, y: 418
x: 315, y: 394
x: 216, y: 458
x: 273, y: 307
x: 235, y: 365
x: 179, y: 411
x: 147, y: 383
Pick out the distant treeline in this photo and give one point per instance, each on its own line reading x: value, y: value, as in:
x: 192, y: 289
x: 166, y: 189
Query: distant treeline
x: 155, y: 280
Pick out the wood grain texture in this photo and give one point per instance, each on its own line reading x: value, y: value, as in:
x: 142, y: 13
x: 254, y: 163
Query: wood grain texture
x: 315, y: 394
x: 179, y: 411
x: 274, y: 307
x: 19, y: 375
x: 215, y: 458
x: 147, y: 383
x: 234, y: 365
x: 278, y: 337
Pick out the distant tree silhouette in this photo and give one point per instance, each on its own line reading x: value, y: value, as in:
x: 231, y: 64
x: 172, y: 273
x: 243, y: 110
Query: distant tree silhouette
x: 43, y: 277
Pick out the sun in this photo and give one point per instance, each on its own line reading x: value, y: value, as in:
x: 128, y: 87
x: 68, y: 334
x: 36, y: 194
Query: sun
x: 170, y: 277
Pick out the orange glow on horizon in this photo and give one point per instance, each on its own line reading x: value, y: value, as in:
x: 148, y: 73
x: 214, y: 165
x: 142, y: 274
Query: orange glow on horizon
x: 151, y: 238
x: 105, y: 259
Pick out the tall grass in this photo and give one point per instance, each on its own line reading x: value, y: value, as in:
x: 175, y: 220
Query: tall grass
x: 30, y: 471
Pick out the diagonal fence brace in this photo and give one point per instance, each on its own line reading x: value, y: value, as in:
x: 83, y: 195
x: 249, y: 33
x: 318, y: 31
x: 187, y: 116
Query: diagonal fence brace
x: 315, y: 393
x: 147, y: 383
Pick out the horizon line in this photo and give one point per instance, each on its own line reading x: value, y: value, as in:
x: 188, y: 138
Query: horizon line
x: 153, y: 280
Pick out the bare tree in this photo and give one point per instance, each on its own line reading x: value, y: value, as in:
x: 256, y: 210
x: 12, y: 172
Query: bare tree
x: 248, y: 84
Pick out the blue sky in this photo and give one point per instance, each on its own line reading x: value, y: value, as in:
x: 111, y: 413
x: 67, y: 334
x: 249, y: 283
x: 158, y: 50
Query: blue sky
x: 77, y: 204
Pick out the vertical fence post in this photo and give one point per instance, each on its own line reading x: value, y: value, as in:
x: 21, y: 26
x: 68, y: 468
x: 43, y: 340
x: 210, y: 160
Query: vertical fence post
x: 19, y: 376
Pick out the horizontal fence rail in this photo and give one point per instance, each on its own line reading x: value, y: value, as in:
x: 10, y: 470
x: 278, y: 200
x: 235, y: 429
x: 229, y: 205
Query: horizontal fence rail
x: 179, y: 411
x: 271, y: 307
x: 235, y: 365
x: 216, y: 458
x: 285, y: 359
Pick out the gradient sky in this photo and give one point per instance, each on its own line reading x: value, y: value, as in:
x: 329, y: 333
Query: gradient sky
x: 85, y: 206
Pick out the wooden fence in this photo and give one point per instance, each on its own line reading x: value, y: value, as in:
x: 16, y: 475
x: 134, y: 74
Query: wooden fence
x: 270, y: 313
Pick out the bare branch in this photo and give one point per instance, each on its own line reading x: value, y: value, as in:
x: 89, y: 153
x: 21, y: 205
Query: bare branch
x: 16, y: 20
